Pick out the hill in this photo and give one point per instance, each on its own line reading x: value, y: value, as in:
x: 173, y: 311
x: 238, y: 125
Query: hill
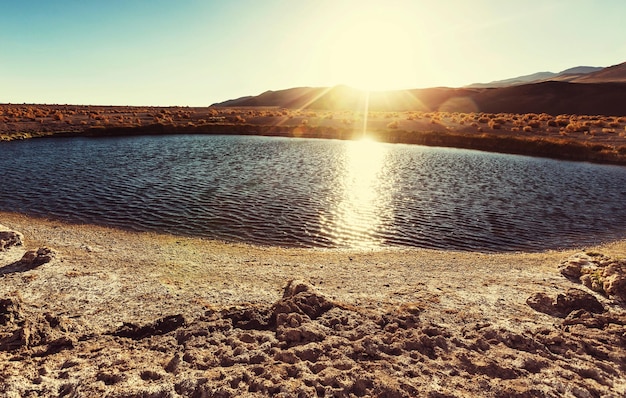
x: 615, y: 73
x: 567, y: 75
x: 578, y: 74
x: 551, y: 97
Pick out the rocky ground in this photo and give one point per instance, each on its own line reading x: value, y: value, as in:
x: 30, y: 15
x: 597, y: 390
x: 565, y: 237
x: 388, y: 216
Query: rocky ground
x: 91, y: 311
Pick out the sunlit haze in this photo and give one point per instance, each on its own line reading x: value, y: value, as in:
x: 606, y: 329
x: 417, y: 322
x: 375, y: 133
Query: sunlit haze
x: 199, y: 52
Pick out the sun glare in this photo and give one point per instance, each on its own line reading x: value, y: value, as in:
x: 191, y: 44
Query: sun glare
x: 371, y: 50
x: 358, y: 216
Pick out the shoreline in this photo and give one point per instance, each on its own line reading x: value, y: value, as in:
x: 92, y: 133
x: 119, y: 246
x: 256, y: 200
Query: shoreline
x: 598, y: 139
x: 463, y: 325
x: 495, y: 143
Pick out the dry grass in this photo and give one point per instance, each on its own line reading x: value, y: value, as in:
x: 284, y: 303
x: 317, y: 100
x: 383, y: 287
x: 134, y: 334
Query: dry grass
x: 27, y: 121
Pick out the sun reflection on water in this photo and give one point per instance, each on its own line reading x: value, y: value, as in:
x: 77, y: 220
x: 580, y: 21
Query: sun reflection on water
x: 357, y: 218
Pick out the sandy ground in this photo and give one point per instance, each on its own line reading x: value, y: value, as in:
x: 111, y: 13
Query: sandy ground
x: 123, y: 314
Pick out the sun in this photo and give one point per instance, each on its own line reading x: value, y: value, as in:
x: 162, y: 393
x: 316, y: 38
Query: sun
x: 373, y: 49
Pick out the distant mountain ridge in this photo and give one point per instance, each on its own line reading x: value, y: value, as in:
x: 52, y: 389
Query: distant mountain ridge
x: 615, y: 73
x: 577, y: 74
x: 579, y: 90
x: 570, y: 74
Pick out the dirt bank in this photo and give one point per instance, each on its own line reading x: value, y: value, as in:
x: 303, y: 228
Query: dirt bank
x: 600, y: 139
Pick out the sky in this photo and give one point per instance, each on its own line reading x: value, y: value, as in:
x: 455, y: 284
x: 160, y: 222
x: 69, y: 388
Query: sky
x: 198, y: 52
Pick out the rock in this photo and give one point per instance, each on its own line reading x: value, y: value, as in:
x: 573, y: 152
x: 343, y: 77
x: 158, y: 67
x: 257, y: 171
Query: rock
x: 158, y: 327
x: 599, y: 273
x: 571, y: 269
x: 301, y: 298
x: 576, y: 299
x: 614, y: 281
x: 35, y: 258
x: 249, y: 318
x: 10, y: 312
x: 304, y: 334
x: 585, y: 318
x: 293, y: 314
x: 563, y: 304
x: 173, y: 366
x: 296, y: 286
x: 45, y: 335
x: 9, y: 238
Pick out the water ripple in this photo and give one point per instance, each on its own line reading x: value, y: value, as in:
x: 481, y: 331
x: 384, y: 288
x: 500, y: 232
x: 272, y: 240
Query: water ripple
x: 316, y: 193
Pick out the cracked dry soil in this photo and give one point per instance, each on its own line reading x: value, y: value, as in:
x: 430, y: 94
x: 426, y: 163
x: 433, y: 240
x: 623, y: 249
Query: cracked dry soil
x: 119, y: 314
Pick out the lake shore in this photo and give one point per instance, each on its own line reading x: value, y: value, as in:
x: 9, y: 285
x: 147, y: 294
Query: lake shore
x: 122, y: 314
x: 599, y: 139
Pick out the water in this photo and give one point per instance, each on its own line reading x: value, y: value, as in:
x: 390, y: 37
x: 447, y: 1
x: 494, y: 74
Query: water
x: 316, y: 193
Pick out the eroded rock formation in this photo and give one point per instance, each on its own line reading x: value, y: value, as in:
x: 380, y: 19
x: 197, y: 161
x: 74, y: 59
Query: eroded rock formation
x: 599, y: 273
x: 9, y: 238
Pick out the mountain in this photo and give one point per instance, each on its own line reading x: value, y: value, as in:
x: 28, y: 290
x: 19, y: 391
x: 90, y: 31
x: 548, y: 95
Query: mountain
x: 552, y: 97
x: 535, y: 77
x: 579, y: 90
x: 615, y: 73
x: 347, y: 98
x: 567, y: 75
x: 580, y: 70
x: 555, y: 97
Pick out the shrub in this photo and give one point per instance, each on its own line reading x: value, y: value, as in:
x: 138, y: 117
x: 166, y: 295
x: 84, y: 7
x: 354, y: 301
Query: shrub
x: 494, y: 124
x: 545, y: 117
x: 575, y: 126
x: 393, y: 125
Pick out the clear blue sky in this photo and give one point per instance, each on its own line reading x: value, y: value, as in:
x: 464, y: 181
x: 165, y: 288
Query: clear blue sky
x: 197, y: 52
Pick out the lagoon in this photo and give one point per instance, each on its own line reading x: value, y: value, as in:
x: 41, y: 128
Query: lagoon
x: 316, y: 192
